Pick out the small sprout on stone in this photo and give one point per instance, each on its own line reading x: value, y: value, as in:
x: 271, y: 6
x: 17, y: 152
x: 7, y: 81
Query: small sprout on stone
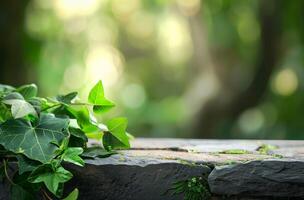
x: 235, y: 151
x: 195, y: 188
x: 265, y: 149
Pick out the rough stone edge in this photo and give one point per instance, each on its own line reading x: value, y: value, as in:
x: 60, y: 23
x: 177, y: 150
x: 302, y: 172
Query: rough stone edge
x: 228, y: 190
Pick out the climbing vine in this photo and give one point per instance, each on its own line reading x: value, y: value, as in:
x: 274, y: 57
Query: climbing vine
x: 40, y: 134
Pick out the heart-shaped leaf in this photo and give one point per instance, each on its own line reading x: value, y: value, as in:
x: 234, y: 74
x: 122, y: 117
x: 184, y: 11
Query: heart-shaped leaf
x: 97, y: 98
x: 35, y: 142
x: 28, y: 91
x: 20, y: 108
x: 52, y: 178
x: 116, y: 137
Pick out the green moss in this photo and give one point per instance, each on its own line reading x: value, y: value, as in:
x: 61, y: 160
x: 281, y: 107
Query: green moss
x: 235, y: 151
x: 195, y: 188
x: 265, y: 149
x: 185, y: 162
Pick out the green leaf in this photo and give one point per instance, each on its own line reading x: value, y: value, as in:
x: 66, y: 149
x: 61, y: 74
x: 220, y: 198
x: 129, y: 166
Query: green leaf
x: 96, y: 93
x: 5, y: 113
x: 71, y: 155
x: 68, y: 98
x: 52, y: 178
x: 6, y: 88
x: 99, y: 152
x: 39, y: 103
x: 78, y: 133
x: 20, y: 108
x: 21, y: 180
x: 96, y: 97
x: 77, y: 138
x: 28, y: 91
x: 73, y: 195
x: 110, y: 142
x: 35, y: 142
x: 18, y: 193
x: 83, y: 117
x: 13, y: 95
x: 105, y: 106
x: 26, y: 165
x: 117, y: 127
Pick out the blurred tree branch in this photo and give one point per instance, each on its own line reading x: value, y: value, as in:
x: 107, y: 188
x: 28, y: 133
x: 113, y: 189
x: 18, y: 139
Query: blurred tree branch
x: 12, y: 66
x: 221, y: 108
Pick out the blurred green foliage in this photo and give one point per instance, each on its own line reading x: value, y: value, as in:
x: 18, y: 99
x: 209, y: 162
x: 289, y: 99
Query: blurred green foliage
x: 163, y: 60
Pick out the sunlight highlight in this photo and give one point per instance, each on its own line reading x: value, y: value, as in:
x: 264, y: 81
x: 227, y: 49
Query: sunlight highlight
x: 103, y: 63
x: 251, y: 120
x: 285, y: 82
x: 133, y: 96
x: 174, y: 40
x: 71, y: 8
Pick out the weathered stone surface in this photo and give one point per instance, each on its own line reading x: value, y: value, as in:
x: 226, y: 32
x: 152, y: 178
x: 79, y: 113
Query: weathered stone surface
x: 289, y: 147
x: 131, y: 178
x: 274, y: 178
x: 150, y: 168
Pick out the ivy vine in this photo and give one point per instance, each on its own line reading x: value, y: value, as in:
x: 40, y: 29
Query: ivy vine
x: 40, y: 134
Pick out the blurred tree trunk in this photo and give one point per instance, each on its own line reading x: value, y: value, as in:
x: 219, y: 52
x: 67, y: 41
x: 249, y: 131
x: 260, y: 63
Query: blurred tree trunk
x: 216, y: 111
x: 12, y: 68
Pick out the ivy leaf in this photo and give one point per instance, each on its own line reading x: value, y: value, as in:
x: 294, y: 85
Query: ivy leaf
x: 78, y: 133
x: 73, y: 195
x: 38, y: 103
x: 83, y: 117
x: 35, y: 142
x: 116, y: 137
x: 5, y: 113
x: 71, y: 155
x: 77, y: 138
x: 96, y: 97
x: 6, y: 88
x: 99, y: 152
x: 52, y: 178
x: 13, y: 95
x: 110, y: 142
x: 18, y: 193
x: 28, y: 91
x: 68, y: 98
x: 26, y: 165
x: 21, y: 181
x: 20, y: 108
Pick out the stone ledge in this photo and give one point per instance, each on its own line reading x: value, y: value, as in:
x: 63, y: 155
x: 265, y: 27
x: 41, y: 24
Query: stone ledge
x: 271, y: 178
x: 150, y: 168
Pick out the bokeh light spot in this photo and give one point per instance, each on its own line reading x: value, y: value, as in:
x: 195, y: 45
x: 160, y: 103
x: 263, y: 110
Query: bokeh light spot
x: 285, y: 82
x: 66, y: 9
x: 103, y: 63
x: 133, y: 96
x: 251, y: 120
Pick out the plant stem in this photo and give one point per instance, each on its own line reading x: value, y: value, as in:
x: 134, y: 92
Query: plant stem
x: 6, y: 174
x: 82, y: 104
x: 53, y: 106
x: 46, y: 195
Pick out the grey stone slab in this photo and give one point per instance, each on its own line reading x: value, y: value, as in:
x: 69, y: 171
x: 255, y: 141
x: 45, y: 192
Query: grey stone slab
x: 210, y: 145
x: 147, y: 180
x: 151, y: 166
x: 273, y: 178
x: 209, y: 159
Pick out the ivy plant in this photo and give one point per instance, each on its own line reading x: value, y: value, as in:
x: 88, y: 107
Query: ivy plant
x: 38, y: 135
